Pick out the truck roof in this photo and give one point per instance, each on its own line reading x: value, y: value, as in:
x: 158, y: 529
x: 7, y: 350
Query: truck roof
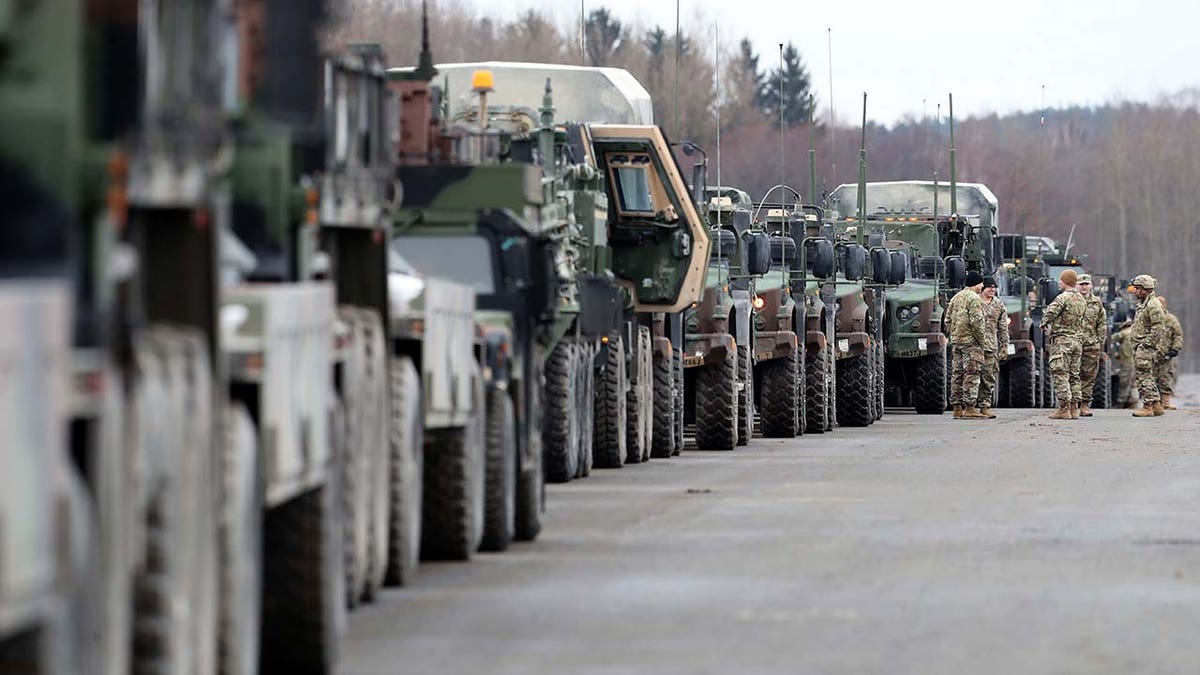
x: 581, y: 93
x: 916, y: 196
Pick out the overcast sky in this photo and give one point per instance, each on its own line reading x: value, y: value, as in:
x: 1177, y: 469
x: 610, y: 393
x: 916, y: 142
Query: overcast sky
x: 994, y: 56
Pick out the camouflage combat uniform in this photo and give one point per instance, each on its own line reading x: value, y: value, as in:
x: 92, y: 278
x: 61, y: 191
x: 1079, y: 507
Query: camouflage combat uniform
x: 1150, y: 344
x: 1064, y: 317
x: 1095, y: 329
x: 1167, y: 371
x: 1122, y: 348
x: 968, y: 334
x: 995, y: 315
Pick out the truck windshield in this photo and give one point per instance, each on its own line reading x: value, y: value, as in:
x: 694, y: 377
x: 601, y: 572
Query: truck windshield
x: 466, y: 259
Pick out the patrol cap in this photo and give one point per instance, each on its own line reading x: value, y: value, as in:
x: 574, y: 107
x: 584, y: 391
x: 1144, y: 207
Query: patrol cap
x: 989, y: 282
x: 1068, y: 277
x: 1143, y: 281
x: 1085, y: 279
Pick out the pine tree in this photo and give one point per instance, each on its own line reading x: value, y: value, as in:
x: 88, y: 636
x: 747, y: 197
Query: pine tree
x: 797, y: 86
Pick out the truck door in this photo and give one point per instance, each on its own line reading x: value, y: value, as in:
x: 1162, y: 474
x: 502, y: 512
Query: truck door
x: 659, y: 242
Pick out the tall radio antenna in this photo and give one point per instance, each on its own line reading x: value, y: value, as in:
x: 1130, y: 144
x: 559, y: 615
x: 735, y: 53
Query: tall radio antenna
x: 832, y: 119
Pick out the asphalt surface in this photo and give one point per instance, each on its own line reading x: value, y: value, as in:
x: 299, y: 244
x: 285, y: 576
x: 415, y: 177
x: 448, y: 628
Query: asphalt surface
x: 919, y: 545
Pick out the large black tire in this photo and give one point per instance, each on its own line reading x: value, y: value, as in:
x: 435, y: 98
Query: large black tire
x: 406, y: 472
x: 343, y: 435
x: 500, y: 473
x: 949, y: 377
x: 1021, y: 375
x: 801, y: 390
x: 855, y: 391
x: 241, y: 533
x: 586, y: 406
x: 560, y: 422
x: 639, y: 401
x: 304, y: 594
x: 929, y: 384
x: 780, y: 399
x: 717, y: 405
x: 745, y: 395
x: 680, y: 397
x: 176, y: 588
x: 452, y: 516
x: 1101, y: 392
x: 609, y: 420
x: 663, y: 439
x: 816, y: 386
x: 531, y: 500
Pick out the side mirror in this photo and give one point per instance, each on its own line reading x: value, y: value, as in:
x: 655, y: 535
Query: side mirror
x: 783, y: 251
x: 881, y: 266
x: 854, y: 262
x: 956, y: 272
x: 758, y: 254
x: 1047, y: 290
x: 821, y: 259
x: 931, y: 267
x: 545, y: 278
x: 699, y: 183
x: 899, y: 268
x: 724, y: 244
x: 1014, y: 286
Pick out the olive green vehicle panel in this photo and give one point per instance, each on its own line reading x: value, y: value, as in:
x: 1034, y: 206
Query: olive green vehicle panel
x: 655, y: 224
x: 467, y: 189
x: 918, y: 333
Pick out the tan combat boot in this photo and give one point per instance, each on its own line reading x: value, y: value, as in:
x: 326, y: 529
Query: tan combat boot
x: 1158, y: 408
x: 957, y: 411
x: 1074, y: 409
x: 1084, y: 410
x: 1166, y: 403
x: 970, y: 413
x: 986, y: 411
x: 1063, y: 412
x: 1147, y: 410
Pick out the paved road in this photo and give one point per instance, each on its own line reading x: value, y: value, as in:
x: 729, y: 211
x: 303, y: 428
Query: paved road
x: 920, y: 545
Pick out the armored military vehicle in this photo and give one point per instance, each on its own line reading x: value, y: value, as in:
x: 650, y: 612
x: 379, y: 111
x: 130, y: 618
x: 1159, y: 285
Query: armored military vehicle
x: 718, y: 359
x: 617, y: 207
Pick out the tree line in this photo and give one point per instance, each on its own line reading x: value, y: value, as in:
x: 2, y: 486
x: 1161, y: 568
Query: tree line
x: 1123, y: 175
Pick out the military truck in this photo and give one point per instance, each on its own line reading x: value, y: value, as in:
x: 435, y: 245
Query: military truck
x: 780, y: 332
x: 616, y: 347
x: 718, y: 358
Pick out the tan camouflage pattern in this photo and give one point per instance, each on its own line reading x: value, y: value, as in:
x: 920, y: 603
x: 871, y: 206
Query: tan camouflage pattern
x: 1149, y: 337
x: 1122, y: 350
x: 965, y: 321
x: 1089, y: 366
x: 1065, y: 357
x: 1064, y: 316
x: 1095, y: 321
x: 995, y: 315
x: 1167, y: 371
x: 1064, y: 319
x: 967, y: 366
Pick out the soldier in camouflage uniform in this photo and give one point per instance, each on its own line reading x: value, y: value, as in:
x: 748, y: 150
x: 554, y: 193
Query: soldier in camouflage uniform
x: 1095, y: 330
x: 1064, y: 319
x: 969, y: 335
x: 1168, y: 370
x: 1150, y: 344
x: 1122, y: 350
x: 995, y: 316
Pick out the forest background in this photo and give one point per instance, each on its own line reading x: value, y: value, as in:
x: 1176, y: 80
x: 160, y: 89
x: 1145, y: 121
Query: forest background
x: 1123, y: 176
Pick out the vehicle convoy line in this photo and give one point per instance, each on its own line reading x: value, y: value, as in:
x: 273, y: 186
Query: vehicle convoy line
x: 863, y: 553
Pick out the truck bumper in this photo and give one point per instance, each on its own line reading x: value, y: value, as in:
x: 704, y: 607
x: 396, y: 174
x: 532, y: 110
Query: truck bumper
x: 849, y: 345
x: 815, y: 340
x: 707, y: 348
x: 774, y: 345
x: 915, y: 345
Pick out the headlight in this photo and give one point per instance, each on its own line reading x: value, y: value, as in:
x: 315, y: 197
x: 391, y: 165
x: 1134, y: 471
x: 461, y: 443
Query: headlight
x: 904, y: 314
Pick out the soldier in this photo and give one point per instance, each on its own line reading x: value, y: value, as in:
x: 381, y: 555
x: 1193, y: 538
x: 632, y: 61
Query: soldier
x: 1168, y: 369
x: 995, y: 315
x: 1095, y: 330
x: 1149, y: 337
x: 1064, y: 319
x: 1122, y: 351
x: 965, y: 320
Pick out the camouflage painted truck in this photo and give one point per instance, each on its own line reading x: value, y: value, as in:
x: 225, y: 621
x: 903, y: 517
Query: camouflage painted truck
x: 616, y: 204
x: 803, y: 270
x: 719, y: 330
